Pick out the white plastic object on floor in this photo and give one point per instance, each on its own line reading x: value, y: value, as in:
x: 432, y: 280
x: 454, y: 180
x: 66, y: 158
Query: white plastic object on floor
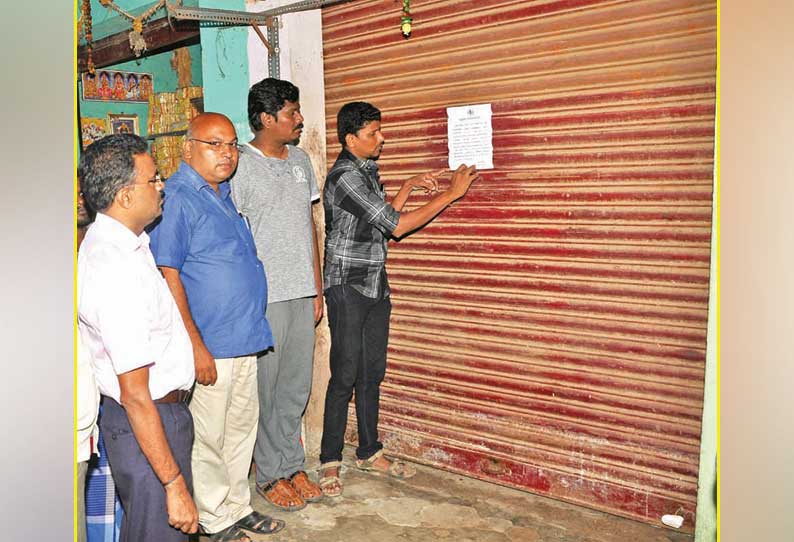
x: 672, y: 520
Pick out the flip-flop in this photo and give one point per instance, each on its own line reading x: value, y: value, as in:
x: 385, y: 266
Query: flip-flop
x: 259, y: 523
x: 397, y: 468
x: 328, y: 482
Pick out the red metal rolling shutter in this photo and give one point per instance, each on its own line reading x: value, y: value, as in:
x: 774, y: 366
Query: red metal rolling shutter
x: 548, y: 330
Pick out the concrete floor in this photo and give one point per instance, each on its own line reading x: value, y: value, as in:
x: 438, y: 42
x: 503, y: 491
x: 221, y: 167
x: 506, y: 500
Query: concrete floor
x: 440, y: 506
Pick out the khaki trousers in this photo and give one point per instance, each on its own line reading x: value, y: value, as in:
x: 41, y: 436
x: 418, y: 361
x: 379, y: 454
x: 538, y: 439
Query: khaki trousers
x: 225, y: 417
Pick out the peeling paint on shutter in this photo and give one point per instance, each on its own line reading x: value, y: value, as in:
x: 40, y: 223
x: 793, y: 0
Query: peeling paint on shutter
x: 548, y: 330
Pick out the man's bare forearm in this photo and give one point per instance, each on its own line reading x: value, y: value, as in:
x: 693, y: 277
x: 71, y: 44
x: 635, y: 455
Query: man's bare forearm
x: 318, y: 273
x: 147, y: 427
x: 462, y: 178
x: 401, y: 197
x: 419, y: 217
x: 146, y: 423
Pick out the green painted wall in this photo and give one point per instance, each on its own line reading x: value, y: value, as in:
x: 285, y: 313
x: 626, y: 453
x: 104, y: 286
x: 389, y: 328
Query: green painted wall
x: 106, y: 21
x: 165, y: 80
x: 220, y: 64
x: 224, y: 60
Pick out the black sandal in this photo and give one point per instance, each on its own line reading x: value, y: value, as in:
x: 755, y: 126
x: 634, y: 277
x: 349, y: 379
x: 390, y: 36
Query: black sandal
x: 260, y: 523
x: 232, y: 533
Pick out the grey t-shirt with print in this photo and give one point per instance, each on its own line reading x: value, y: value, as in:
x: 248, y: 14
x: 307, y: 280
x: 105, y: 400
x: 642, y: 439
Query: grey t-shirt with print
x: 276, y: 197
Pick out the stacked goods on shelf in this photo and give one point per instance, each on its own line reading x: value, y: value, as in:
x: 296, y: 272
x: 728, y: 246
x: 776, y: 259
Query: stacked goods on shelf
x: 167, y: 152
x: 171, y: 112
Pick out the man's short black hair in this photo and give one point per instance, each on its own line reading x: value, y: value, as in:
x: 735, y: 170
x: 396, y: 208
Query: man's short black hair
x: 107, y: 166
x: 353, y: 117
x: 268, y: 96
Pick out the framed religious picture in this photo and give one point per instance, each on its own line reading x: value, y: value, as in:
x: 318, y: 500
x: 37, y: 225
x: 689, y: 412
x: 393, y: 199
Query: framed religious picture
x: 110, y: 85
x: 123, y: 124
x: 92, y: 129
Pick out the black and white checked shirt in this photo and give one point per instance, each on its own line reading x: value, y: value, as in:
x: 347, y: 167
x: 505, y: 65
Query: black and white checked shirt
x: 358, y: 224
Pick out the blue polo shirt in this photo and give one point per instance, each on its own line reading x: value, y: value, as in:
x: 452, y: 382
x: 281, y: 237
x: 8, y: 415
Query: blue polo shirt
x: 202, y: 235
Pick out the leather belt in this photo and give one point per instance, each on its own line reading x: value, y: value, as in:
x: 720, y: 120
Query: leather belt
x: 176, y: 396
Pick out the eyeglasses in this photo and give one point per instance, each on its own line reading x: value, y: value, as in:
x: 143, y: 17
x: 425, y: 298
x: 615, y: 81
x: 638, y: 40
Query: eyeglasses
x: 153, y: 181
x: 218, y: 146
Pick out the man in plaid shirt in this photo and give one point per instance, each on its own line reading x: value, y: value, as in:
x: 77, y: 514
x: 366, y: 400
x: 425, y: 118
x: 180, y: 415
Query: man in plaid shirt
x: 358, y: 224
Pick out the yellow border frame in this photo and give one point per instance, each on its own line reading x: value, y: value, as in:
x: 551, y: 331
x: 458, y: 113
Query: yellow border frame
x: 75, y: 147
x: 717, y: 156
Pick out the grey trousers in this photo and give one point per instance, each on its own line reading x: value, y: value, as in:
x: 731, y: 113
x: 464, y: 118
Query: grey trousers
x: 284, y: 378
x: 82, y: 470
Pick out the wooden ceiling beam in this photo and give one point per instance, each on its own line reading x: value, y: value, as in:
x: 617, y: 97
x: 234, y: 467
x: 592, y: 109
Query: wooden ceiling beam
x: 158, y: 35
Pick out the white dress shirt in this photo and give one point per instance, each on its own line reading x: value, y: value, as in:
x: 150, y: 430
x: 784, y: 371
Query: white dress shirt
x: 127, y: 317
x: 87, y: 405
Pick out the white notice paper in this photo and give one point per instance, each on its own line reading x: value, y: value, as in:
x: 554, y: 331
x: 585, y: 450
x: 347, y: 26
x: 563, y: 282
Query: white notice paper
x: 469, y: 134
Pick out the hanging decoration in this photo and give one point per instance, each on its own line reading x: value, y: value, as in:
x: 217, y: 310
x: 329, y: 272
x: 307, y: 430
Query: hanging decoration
x: 137, y: 43
x: 181, y: 64
x: 85, y: 22
x: 406, y: 19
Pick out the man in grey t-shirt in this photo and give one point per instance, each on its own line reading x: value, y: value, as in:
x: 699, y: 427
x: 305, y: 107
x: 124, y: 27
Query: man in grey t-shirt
x: 274, y: 188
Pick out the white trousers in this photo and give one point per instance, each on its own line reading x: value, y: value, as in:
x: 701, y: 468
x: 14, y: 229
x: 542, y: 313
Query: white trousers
x: 225, y: 417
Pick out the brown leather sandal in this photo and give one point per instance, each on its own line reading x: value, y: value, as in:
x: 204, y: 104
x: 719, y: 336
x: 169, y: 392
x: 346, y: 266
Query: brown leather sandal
x: 308, y: 490
x: 280, y: 494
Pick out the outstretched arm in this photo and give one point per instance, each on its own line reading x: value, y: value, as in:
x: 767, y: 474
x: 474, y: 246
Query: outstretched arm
x: 426, y: 181
x: 459, y: 185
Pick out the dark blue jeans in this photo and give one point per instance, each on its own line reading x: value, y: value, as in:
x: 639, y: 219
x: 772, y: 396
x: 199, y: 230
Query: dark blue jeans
x: 141, y: 493
x: 359, y: 338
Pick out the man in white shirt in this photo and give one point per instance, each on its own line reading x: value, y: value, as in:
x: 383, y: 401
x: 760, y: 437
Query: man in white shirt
x: 137, y: 343
x: 86, y: 392
x: 87, y: 411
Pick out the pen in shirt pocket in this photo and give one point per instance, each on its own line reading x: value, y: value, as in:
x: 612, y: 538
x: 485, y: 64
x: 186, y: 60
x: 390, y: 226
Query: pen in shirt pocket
x: 245, y: 219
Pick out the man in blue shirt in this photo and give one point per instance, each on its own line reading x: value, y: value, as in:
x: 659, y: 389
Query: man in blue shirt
x: 207, y: 255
